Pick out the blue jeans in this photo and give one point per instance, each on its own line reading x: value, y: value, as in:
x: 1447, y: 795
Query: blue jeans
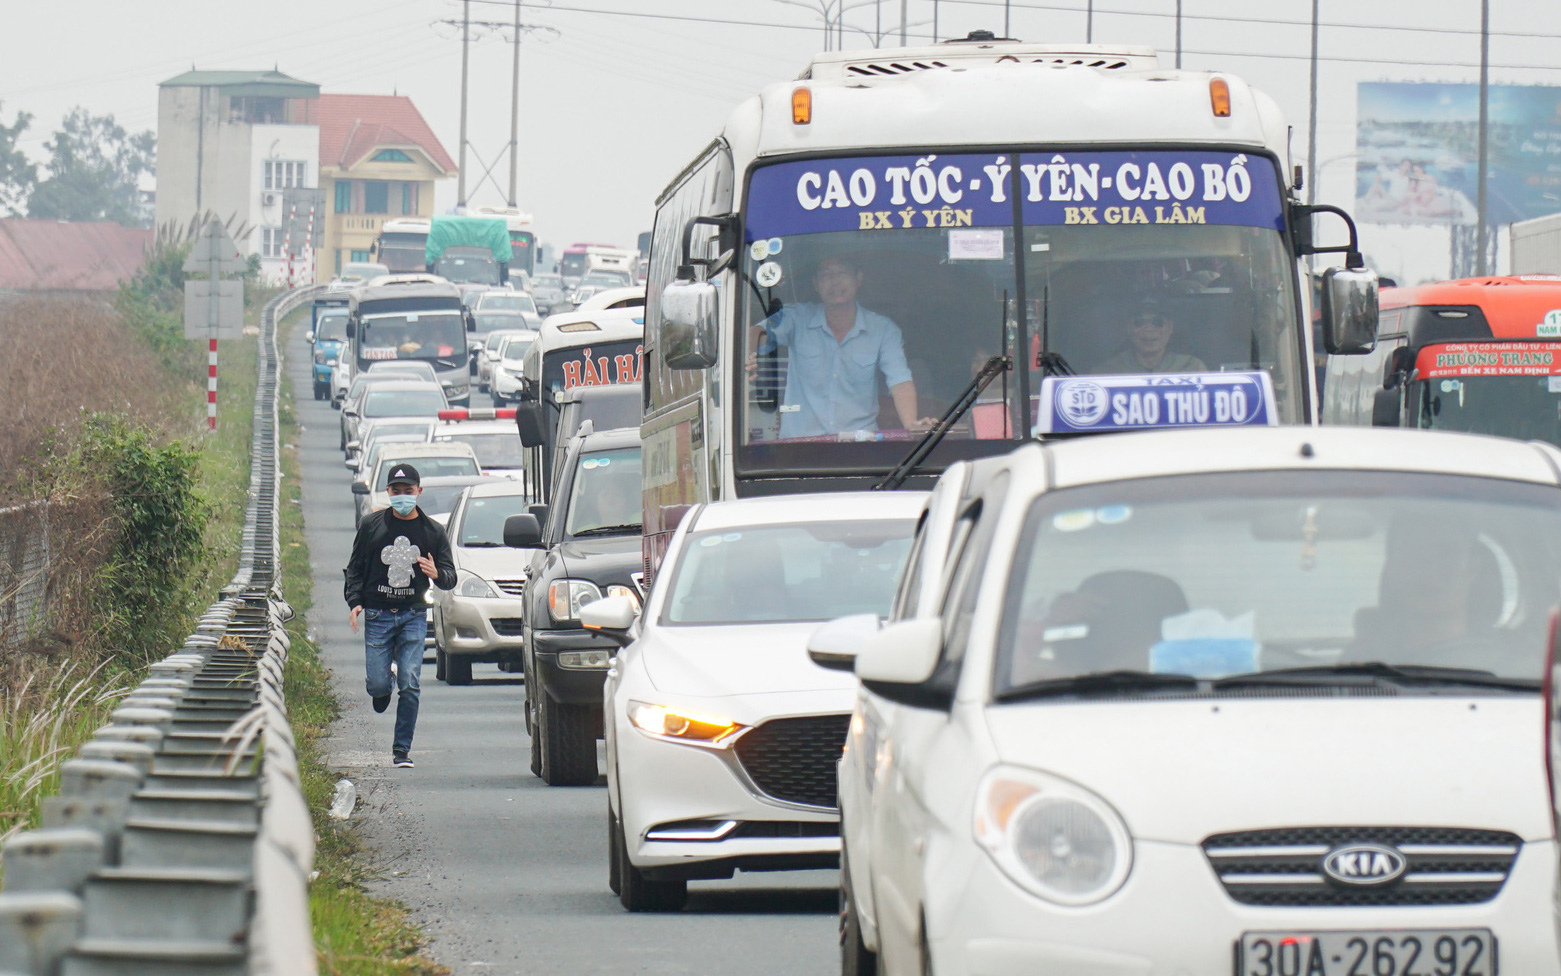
x: 396, y: 635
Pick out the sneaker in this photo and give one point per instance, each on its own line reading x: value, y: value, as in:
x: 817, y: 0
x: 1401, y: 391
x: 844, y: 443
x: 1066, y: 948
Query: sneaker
x: 401, y: 761
x: 381, y: 702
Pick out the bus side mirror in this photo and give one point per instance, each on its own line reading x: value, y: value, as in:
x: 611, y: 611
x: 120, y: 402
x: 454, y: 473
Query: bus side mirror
x: 690, y: 322
x: 352, y: 329
x: 1387, y: 407
x: 471, y: 320
x: 528, y: 420
x: 1349, y: 311
x: 309, y: 336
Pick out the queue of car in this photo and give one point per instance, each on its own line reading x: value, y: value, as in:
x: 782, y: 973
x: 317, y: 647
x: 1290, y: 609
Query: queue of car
x: 1263, y: 700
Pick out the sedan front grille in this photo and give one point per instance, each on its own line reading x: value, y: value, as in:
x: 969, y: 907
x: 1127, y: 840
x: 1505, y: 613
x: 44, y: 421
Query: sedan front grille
x: 514, y: 587
x: 795, y: 759
x: 507, y: 626
x: 1284, y: 866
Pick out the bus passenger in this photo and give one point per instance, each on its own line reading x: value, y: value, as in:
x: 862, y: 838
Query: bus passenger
x: 837, y: 349
x: 1150, y: 333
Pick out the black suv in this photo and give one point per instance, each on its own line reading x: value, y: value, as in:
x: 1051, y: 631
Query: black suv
x: 588, y: 547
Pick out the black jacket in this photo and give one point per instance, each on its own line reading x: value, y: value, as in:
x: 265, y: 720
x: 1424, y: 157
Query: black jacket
x: 383, y: 571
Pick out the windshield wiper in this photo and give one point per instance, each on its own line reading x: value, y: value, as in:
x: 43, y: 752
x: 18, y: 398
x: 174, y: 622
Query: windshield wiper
x: 1402, y: 674
x: 1099, y: 682
x: 624, y: 529
x: 934, y: 435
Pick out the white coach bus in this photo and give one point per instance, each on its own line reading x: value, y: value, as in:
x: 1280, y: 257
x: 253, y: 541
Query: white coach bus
x: 831, y: 275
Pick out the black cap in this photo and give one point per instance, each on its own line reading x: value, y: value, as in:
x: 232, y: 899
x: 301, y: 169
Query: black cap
x: 403, y: 474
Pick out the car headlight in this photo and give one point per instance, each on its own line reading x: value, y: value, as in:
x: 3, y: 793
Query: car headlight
x: 476, y: 586
x: 1053, y: 838
x: 617, y: 589
x: 684, y: 726
x: 565, y: 597
x: 319, y: 357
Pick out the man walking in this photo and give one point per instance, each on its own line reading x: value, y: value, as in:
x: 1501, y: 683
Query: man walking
x: 397, y: 552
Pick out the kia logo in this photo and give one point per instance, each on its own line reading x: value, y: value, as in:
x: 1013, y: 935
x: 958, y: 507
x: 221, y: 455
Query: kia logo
x: 1364, y: 864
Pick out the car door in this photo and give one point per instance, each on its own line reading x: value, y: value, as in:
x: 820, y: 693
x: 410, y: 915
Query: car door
x: 917, y: 743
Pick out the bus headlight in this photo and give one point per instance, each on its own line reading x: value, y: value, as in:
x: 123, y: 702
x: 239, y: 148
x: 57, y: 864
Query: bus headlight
x: 1054, y: 839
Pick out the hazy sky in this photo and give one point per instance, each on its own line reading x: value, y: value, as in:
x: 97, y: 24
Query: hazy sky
x: 615, y: 105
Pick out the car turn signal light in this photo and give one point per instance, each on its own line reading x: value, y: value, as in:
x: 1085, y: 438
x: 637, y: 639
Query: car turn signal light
x: 801, y: 105
x: 1219, y: 97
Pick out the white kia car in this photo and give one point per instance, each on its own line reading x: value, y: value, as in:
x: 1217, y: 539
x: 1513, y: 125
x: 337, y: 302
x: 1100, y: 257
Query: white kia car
x: 722, y: 736
x: 1261, y: 701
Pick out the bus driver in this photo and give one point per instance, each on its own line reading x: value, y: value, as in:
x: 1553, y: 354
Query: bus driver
x: 837, y: 349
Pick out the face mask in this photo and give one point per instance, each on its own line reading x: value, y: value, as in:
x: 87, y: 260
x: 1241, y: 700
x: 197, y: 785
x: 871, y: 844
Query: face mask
x: 403, y: 504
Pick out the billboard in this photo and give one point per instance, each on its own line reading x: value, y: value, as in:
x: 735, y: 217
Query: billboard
x: 1418, y: 150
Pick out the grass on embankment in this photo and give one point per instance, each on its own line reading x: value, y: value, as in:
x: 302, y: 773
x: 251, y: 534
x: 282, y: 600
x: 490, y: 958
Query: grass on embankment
x: 355, y: 934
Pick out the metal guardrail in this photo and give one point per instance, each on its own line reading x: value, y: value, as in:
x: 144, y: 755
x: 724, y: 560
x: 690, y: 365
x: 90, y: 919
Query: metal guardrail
x: 180, y: 842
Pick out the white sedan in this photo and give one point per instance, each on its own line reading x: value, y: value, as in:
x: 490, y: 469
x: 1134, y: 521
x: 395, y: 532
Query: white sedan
x: 722, y: 737
x: 1259, y: 701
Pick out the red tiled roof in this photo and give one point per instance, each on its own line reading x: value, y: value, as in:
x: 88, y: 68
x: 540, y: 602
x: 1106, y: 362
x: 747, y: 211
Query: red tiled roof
x: 58, y: 255
x: 351, y: 126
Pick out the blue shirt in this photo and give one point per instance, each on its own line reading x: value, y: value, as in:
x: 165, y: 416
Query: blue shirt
x: 832, y: 385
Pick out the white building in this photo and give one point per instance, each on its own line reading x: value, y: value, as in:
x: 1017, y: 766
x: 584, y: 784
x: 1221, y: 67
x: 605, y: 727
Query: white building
x: 244, y: 145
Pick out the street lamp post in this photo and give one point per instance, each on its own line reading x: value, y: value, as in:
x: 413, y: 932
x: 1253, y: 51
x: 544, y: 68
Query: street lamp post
x: 1480, y: 263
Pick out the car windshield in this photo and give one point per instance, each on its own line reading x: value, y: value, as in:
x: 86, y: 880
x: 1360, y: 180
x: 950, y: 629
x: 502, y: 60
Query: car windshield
x: 1214, y: 576
x: 419, y: 370
x: 482, y: 520
x: 493, y: 450
x: 403, y: 403
x: 439, y: 499
x: 781, y: 573
x: 379, y: 444
x: 331, y: 328
x: 488, y: 321
x: 453, y: 466
x: 514, y: 349
x: 605, y: 499
x: 877, y: 287
x: 507, y: 303
x: 429, y: 336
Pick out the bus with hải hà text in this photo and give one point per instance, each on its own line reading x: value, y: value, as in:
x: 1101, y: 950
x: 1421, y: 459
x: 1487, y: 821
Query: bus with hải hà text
x: 859, y: 254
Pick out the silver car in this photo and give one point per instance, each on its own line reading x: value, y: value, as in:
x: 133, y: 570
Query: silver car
x: 480, y: 620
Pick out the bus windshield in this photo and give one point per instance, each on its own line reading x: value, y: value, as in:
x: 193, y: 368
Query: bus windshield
x: 877, y: 287
x: 438, y: 337
x: 402, y: 252
x: 572, y: 265
x: 1508, y: 389
x: 331, y: 328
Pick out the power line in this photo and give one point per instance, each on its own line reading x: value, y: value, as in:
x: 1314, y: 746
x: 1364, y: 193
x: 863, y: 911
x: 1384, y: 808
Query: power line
x: 1275, y: 21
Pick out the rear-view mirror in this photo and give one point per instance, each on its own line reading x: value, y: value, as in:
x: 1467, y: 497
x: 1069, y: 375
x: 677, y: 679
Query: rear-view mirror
x: 836, y: 644
x: 522, y: 532
x: 351, y: 464
x: 1387, y: 408
x: 898, y: 662
x: 528, y: 420
x: 689, y: 324
x: 308, y: 336
x: 360, y: 488
x: 1349, y: 311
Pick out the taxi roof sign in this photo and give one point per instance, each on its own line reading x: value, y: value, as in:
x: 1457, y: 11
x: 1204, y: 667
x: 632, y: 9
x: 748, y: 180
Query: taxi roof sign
x: 1155, y: 401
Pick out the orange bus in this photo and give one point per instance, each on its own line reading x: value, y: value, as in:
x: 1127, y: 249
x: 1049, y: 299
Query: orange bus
x: 1476, y: 354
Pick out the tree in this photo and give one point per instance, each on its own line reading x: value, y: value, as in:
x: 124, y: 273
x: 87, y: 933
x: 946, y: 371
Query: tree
x: 94, y: 165
x: 18, y: 175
